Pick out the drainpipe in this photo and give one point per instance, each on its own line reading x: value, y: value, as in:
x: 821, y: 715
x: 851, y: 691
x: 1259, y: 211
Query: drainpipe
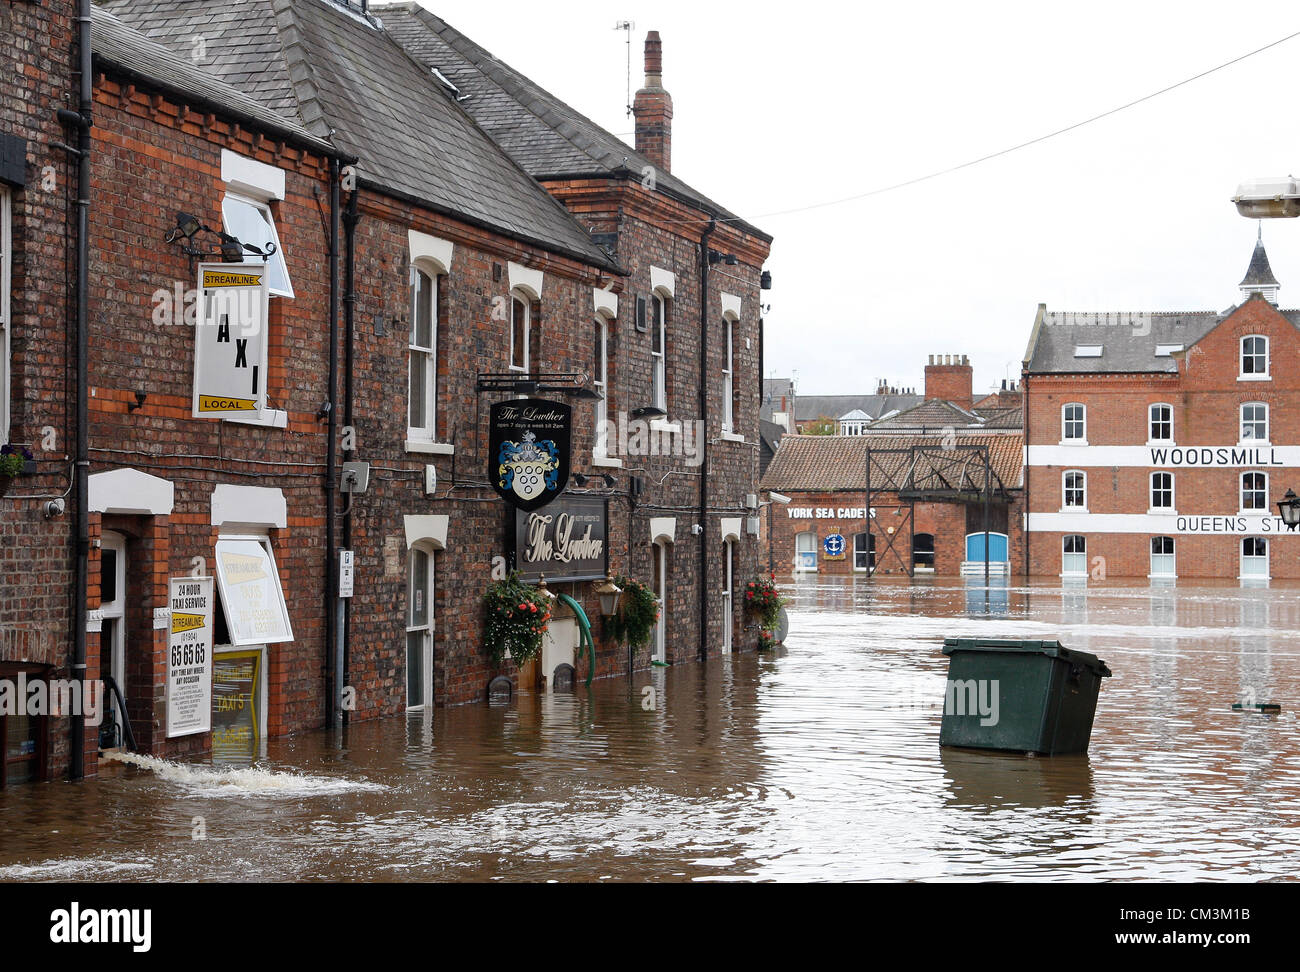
x: 1024, y: 512
x: 80, y: 589
x: 332, y: 637
x: 704, y: 439
x: 350, y: 219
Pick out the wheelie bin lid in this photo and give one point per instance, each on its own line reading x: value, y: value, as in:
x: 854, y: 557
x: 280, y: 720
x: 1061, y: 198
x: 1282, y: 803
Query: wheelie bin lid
x: 1053, y: 649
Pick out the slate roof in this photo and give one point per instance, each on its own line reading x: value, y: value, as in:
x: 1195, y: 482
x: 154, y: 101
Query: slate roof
x: 1259, y: 273
x: 334, y: 73
x: 1008, y: 419
x: 550, y: 139
x: 1128, y: 340
x: 116, y: 45
x: 933, y: 414
x: 828, y: 463
x: 810, y: 407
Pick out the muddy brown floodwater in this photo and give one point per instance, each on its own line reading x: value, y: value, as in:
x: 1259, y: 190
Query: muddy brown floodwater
x: 820, y: 762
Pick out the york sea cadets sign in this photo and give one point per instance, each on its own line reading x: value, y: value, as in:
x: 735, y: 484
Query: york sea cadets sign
x: 528, y: 451
x: 569, y: 540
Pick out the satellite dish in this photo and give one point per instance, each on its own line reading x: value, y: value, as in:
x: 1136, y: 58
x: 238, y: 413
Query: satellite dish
x: 782, y: 626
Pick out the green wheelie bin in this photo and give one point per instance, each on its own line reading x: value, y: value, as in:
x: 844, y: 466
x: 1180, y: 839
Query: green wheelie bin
x: 1026, y: 696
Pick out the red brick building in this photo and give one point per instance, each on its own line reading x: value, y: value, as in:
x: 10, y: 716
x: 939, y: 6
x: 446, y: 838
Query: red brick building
x: 1158, y: 444
x: 401, y: 274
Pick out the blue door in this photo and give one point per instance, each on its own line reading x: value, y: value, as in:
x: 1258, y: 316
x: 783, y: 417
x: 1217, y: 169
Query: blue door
x: 997, y: 547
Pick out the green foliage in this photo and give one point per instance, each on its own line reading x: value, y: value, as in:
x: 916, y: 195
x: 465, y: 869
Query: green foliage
x: 516, y: 620
x: 825, y: 425
x: 762, y: 598
x: 12, y: 458
x: 638, y: 610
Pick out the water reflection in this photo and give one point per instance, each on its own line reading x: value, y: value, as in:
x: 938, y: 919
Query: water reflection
x: 816, y: 762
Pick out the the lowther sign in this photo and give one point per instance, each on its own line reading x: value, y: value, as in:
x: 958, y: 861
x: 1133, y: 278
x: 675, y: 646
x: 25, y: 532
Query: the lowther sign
x: 528, y: 451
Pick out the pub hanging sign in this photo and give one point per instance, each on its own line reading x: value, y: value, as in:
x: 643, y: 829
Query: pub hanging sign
x: 528, y: 451
x: 230, y: 340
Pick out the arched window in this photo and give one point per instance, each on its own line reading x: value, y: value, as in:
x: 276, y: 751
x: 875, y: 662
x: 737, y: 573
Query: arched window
x: 1254, y: 422
x: 805, y: 551
x: 1162, y: 557
x: 1254, y: 557
x: 1160, y: 422
x: 1254, y: 356
x: 1254, y: 491
x: 1074, y: 424
x: 1074, y: 556
x: 728, y: 372
x: 600, y: 383
x: 422, y: 387
x: 1074, y: 490
x: 923, y: 551
x: 658, y: 311
x: 520, y: 330
x: 419, y: 627
x: 864, y: 551
x: 1162, y: 492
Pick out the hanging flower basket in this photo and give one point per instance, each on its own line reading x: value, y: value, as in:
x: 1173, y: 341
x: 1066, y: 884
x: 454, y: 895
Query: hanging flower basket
x: 638, y: 610
x: 14, y: 461
x: 762, y: 598
x: 517, y: 616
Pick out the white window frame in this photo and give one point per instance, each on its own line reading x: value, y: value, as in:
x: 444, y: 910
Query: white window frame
x: 1152, y: 421
x: 1241, y: 492
x: 424, y: 630
x: 1067, y: 565
x: 659, y: 359
x: 1169, y: 559
x: 265, y: 541
x: 728, y: 610
x: 113, y: 644
x: 520, y: 298
x: 6, y: 327
x: 264, y: 207
x: 1151, y: 483
x: 866, y: 553
x: 1242, y: 374
x: 1244, y: 574
x: 1241, y: 424
x: 1066, y: 505
x: 728, y: 374
x: 429, y: 432
x: 1082, y: 438
x: 600, y: 382
x: 799, y: 564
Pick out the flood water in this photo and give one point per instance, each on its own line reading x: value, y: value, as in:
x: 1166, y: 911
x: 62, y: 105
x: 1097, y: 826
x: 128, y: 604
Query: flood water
x: 820, y: 762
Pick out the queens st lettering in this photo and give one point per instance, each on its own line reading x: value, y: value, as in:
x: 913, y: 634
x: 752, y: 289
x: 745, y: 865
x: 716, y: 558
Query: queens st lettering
x: 1218, y: 456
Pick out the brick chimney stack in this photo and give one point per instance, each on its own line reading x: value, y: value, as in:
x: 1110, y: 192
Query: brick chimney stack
x: 653, y: 108
x: 950, y: 377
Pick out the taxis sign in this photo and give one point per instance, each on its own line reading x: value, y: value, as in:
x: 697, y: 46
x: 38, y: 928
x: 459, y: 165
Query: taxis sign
x: 230, y: 340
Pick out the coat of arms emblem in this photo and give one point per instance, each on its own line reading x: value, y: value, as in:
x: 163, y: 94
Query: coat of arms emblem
x: 528, y: 461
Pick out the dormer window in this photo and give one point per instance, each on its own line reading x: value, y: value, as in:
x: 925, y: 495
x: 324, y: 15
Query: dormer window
x: 1254, y: 358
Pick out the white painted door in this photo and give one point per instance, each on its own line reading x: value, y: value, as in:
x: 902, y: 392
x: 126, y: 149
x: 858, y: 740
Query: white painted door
x: 726, y: 598
x: 112, y: 604
x: 659, y: 567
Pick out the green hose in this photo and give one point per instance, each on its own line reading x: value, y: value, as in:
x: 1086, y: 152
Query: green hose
x: 585, y: 627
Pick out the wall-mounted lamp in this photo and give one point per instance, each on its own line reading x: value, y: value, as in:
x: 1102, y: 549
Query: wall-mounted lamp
x: 609, y: 594
x: 765, y: 281
x: 140, y: 398
x: 1288, y: 507
x: 728, y: 258
x: 229, y: 248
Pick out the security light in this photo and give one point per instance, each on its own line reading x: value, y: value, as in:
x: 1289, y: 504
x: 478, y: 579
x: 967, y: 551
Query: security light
x: 1271, y: 198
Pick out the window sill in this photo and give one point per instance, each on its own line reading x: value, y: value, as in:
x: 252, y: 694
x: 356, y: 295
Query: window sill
x: 1083, y: 576
x: 1254, y: 444
x: 430, y: 448
x: 1074, y: 442
x: 1162, y: 577
x: 1161, y: 444
x: 1161, y: 511
x: 271, y: 418
x: 1254, y: 377
x: 1074, y: 509
x: 605, y: 462
x: 732, y: 437
x: 663, y: 425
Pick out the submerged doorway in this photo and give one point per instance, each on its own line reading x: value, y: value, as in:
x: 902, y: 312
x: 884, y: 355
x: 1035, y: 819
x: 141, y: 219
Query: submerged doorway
x: 659, y: 574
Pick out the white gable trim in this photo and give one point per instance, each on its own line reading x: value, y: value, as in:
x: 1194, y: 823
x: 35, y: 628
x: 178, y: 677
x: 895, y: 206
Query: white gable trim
x: 605, y: 301
x: 431, y: 250
x: 664, y: 281
x: 248, y: 175
x: 731, y: 304
x: 663, y: 528
x: 430, y: 528
x: 130, y: 491
x: 731, y: 529
x: 526, y: 279
x: 253, y: 505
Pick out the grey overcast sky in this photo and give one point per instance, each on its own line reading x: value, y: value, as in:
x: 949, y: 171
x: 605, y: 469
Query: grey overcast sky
x: 781, y: 106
